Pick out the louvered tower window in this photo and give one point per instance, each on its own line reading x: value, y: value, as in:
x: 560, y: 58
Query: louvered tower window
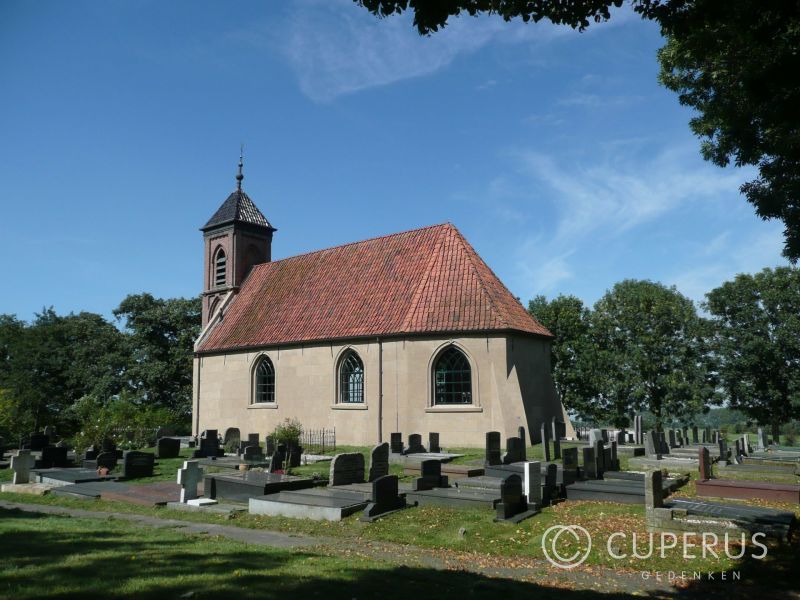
x: 452, y: 378
x: 220, y: 267
x: 351, y: 379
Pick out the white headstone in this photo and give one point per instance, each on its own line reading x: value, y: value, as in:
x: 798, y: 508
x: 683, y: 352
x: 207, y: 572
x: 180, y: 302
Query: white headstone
x: 188, y: 478
x: 532, y: 484
x: 22, y: 464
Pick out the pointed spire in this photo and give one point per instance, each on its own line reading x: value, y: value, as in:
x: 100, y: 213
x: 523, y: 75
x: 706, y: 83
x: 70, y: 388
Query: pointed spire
x: 239, y: 175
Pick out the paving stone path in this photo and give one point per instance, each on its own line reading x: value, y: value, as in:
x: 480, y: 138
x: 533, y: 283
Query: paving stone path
x: 535, y: 571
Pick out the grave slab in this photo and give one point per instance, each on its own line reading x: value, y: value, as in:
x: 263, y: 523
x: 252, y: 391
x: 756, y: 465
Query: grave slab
x: 148, y: 494
x: 34, y: 489
x: 250, y: 484
x: 319, y: 504
x: 69, y: 476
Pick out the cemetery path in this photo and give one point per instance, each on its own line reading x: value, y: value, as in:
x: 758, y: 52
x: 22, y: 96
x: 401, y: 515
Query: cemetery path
x: 526, y: 569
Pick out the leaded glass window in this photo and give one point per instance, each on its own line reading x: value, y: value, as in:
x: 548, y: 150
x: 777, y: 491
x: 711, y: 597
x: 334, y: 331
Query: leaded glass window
x: 351, y: 379
x: 452, y: 378
x: 265, y: 381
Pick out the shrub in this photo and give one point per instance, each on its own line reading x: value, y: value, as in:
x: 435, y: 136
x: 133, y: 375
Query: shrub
x: 288, y: 432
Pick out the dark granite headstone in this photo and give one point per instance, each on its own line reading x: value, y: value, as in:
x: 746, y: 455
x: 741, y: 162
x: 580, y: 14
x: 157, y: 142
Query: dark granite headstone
x: 614, y: 458
x: 570, y: 459
x: 91, y: 453
x: 346, y: 469
x: 396, y: 443
x: 493, y: 455
x: 165, y: 432
x: 672, y: 440
x: 209, y: 445
x: 545, y: 442
x: 524, y: 437
x: 136, y: 464
x: 599, y: 458
x: 385, y: 497
x: 278, y: 459
x: 38, y: 441
x: 430, y: 476
x: 651, y: 445
x: 415, y: 444
x: 514, y: 451
x: 433, y: 442
x: 589, y: 463
x: 253, y: 453
x: 167, y: 447
x: 379, y: 462
x: 695, y: 438
x: 106, y: 460
x: 512, y: 500
x: 53, y: 457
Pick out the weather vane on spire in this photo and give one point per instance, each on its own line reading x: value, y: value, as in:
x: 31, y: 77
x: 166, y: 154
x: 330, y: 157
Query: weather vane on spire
x: 239, y: 175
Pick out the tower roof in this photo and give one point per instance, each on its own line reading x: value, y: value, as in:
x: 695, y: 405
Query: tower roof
x: 423, y: 281
x: 238, y: 208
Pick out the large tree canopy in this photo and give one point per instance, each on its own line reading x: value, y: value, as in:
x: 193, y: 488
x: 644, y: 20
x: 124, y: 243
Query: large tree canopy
x: 573, y: 357
x: 658, y: 357
x: 736, y: 63
x: 757, y: 339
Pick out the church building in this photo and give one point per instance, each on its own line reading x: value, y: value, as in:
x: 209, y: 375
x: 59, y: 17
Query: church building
x: 410, y: 332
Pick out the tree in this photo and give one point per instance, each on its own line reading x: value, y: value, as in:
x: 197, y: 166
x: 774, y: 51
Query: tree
x: 47, y: 365
x: 736, y: 63
x: 161, y: 335
x: 757, y: 339
x: 657, y: 359
x: 572, y: 357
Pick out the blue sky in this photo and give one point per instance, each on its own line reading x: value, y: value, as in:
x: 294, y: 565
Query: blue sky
x: 556, y: 153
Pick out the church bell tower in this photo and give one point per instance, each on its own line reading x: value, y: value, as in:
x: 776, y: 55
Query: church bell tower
x: 236, y: 238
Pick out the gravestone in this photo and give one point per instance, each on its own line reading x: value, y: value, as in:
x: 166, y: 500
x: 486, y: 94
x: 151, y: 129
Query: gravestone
x: 167, y: 447
x: 106, y: 460
x: 232, y: 439
x: 209, y: 445
x: 532, y: 483
x: 685, y: 436
x: 493, y: 455
x: 433, y: 442
x: 50, y: 433
x: 737, y: 451
x: 746, y: 449
x: 704, y: 437
x: 763, y: 439
x: 651, y: 446
x: 278, y: 459
x: 672, y: 441
x: 512, y: 500
x: 21, y: 464
x: 38, y: 441
x: 415, y: 444
x: 53, y: 457
x: 165, y: 432
x: 614, y: 458
x: 599, y: 458
x: 620, y: 438
x: 556, y: 448
x: 545, y: 443
x: 695, y: 438
x: 136, y: 464
x: 523, y: 436
x: 396, y: 443
x: 385, y: 497
x: 705, y: 464
x: 589, y: 464
x: 514, y: 451
x: 253, y: 454
x: 379, y: 462
x: 91, y: 453
x: 638, y: 433
x: 723, y: 449
x: 252, y: 438
x: 346, y: 469
x: 430, y: 476
x: 663, y: 441
x: 188, y: 478
x: 570, y: 459
x: 679, y: 437
x: 653, y: 490
x: 604, y: 434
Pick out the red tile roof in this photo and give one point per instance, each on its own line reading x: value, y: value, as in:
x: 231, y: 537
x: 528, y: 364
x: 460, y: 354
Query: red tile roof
x: 428, y: 280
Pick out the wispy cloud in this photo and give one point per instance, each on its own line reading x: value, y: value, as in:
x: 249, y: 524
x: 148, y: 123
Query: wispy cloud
x: 598, y: 202
x: 335, y: 48
x: 593, y: 101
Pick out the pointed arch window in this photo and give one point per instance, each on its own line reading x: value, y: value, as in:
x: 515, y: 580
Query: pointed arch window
x: 452, y: 378
x: 351, y: 379
x: 220, y: 268
x: 264, y: 381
